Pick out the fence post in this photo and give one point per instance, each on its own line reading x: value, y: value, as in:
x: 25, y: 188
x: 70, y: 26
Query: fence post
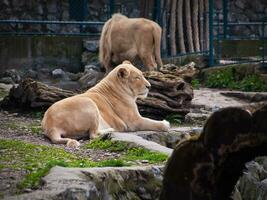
x: 211, y: 35
x: 225, y: 18
x: 156, y: 11
x: 111, y: 8
x: 263, y: 42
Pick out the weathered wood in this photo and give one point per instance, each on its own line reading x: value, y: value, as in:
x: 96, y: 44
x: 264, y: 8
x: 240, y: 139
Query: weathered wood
x: 173, y: 28
x: 180, y: 26
x: 209, y: 166
x: 34, y: 94
x: 169, y: 93
x: 189, y: 37
x: 201, y: 23
x: 186, y: 72
x: 195, y: 24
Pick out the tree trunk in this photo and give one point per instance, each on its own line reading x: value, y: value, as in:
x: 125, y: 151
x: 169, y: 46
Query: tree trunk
x: 207, y: 39
x: 201, y: 23
x: 165, y: 26
x: 173, y: 28
x: 195, y: 25
x: 180, y: 28
x: 168, y: 9
x: 188, y: 26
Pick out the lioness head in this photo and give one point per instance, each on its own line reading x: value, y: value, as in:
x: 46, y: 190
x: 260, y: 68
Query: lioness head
x: 132, y: 80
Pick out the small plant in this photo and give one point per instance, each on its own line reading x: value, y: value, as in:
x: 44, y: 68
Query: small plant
x: 252, y: 83
x: 3, y: 93
x: 115, y: 146
x: 222, y: 79
x: 36, y: 129
x: 138, y: 153
x: 129, y: 153
x: 38, y: 114
x: 174, y: 119
x: 195, y: 83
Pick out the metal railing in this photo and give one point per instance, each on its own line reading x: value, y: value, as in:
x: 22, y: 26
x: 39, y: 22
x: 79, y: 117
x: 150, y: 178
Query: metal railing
x: 79, y: 28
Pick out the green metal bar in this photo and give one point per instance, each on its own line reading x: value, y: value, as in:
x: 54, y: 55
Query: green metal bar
x: 225, y: 18
x: 219, y: 48
x: 14, y: 33
x: 156, y: 11
x: 263, y: 44
x: 48, y: 22
x: 111, y: 7
x: 211, y: 35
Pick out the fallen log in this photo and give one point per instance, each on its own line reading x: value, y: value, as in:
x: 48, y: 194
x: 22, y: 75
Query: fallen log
x: 33, y: 94
x: 169, y: 94
x: 209, y: 166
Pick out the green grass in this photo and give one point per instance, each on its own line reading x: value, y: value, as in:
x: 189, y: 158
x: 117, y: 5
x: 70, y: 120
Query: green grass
x: 130, y: 153
x: 228, y: 79
x: 37, y: 160
x: 138, y: 153
x: 114, y: 146
x: 38, y: 114
x: 3, y: 93
x: 34, y: 128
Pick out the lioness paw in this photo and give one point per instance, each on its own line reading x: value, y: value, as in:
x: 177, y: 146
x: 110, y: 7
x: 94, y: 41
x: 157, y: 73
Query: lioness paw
x: 73, y: 144
x: 166, y: 125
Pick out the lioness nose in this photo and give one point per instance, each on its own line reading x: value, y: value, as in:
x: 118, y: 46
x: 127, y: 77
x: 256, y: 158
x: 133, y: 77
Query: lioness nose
x: 148, y: 86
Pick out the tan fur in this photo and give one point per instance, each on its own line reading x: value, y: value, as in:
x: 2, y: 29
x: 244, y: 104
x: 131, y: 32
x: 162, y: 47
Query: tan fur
x: 125, y: 38
x: 109, y: 104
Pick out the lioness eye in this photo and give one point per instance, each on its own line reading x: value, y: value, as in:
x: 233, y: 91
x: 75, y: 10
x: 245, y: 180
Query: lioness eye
x: 137, y: 78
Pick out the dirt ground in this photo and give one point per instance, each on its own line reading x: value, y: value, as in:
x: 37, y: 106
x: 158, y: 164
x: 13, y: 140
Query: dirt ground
x: 26, y: 127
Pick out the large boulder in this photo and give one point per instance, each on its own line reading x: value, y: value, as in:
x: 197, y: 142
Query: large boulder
x: 208, y: 166
x: 99, y: 183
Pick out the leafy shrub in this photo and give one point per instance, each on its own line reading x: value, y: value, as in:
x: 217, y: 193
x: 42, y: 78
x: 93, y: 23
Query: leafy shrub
x: 174, y: 119
x: 228, y: 79
x: 195, y: 83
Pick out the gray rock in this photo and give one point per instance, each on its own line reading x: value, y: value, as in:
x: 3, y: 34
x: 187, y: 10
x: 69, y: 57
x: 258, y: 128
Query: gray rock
x: 6, y: 80
x: 13, y: 74
x: 91, y: 45
x: 58, y: 73
x: 31, y: 74
x: 253, y: 183
x: 196, y: 118
x: 89, y: 57
x: 171, y: 138
x: 74, y: 77
x: 90, y: 78
x: 88, y: 68
x: 99, y: 183
x: 138, y: 141
x: 5, y: 87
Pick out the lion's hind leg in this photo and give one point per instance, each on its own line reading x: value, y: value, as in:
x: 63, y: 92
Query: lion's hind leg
x: 56, y: 138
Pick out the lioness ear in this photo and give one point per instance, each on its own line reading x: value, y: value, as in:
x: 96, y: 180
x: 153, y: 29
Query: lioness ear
x: 123, y: 73
x: 126, y: 62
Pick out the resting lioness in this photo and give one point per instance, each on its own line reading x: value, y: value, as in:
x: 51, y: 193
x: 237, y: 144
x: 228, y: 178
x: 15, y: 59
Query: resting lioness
x: 109, y: 104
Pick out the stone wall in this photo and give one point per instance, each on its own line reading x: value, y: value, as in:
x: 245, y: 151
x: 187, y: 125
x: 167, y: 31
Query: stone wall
x: 98, y: 10
x: 41, y: 51
x: 244, y: 11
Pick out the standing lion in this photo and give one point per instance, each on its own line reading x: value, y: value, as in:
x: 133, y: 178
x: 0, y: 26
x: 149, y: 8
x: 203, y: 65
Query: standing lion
x: 124, y: 38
